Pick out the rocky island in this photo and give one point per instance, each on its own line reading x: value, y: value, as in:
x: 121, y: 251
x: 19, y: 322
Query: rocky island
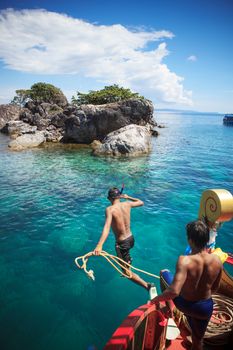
x: 117, y: 128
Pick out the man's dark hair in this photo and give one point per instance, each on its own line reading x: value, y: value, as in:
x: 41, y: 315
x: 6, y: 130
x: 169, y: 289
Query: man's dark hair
x: 198, y: 231
x: 114, y: 193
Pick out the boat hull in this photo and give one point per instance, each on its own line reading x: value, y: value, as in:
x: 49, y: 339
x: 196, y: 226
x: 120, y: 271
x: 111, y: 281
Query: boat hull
x: 143, y: 329
x: 228, y: 119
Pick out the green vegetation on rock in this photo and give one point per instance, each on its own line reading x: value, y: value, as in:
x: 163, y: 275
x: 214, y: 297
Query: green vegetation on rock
x: 109, y: 94
x: 38, y: 93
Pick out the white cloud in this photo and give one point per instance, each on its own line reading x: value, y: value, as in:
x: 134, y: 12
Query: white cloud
x: 192, y: 58
x: 42, y: 42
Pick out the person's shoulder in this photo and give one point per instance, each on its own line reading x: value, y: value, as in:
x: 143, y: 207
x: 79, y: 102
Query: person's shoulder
x: 183, y: 257
x: 108, y: 209
x: 214, y: 259
x: 126, y: 203
x: 183, y: 260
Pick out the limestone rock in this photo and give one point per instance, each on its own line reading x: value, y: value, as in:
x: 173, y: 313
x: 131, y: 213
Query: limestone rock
x: 131, y: 140
x: 91, y: 122
x: 53, y: 134
x: 39, y: 115
x: 17, y: 128
x: 9, y: 112
x: 27, y: 141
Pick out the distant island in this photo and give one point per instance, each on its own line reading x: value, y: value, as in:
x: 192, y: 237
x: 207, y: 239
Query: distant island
x: 182, y: 111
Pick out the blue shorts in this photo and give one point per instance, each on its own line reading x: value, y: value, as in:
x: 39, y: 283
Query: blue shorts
x: 198, y: 313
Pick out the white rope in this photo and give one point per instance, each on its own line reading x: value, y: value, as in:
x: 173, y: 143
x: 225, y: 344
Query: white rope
x: 113, y: 260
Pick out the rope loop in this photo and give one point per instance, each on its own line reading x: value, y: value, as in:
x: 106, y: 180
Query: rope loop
x: 114, y: 261
x: 221, y: 323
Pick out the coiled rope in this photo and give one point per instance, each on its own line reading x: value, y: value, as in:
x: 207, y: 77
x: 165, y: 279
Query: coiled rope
x: 114, y: 261
x: 220, y: 326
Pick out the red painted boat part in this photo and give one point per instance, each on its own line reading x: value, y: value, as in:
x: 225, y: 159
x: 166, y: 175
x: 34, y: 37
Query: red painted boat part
x: 144, y: 329
x: 230, y: 259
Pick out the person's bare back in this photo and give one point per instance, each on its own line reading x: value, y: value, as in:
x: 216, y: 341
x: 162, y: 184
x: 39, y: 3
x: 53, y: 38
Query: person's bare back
x: 203, y: 273
x: 117, y: 217
x: 121, y: 220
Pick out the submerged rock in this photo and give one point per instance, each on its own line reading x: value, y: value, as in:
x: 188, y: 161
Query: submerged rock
x: 131, y: 140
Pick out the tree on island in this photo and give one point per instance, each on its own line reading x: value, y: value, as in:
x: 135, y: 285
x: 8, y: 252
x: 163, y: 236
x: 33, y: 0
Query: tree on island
x: 38, y: 93
x: 112, y: 93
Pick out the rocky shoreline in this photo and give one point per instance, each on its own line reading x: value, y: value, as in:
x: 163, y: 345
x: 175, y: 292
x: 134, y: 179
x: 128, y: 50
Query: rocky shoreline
x: 115, y: 129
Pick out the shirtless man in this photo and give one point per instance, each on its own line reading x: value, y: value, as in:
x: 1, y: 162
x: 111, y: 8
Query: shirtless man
x: 118, y: 218
x: 197, y: 277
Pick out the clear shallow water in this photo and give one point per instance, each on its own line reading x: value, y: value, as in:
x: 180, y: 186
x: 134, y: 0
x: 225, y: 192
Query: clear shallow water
x: 52, y: 204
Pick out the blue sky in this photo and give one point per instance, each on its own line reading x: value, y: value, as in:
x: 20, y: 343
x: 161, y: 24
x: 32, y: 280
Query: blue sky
x: 178, y: 53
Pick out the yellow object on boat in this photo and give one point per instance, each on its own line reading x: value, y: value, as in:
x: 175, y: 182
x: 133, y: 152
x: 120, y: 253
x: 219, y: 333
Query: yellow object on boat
x: 216, y: 205
x: 223, y: 256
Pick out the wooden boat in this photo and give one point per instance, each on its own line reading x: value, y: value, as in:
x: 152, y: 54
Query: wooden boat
x: 143, y: 329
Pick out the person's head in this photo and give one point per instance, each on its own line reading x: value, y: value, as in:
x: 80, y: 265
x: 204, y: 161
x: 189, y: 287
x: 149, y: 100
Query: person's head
x: 114, y: 193
x: 198, y: 233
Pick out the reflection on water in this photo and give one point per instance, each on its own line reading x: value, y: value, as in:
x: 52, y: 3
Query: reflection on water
x: 52, y: 209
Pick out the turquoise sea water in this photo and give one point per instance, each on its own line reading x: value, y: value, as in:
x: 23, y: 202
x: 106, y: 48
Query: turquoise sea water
x: 52, y: 204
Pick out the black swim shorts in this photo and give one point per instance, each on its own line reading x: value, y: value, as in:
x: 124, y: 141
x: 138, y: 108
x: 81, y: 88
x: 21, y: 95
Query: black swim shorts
x: 123, y: 247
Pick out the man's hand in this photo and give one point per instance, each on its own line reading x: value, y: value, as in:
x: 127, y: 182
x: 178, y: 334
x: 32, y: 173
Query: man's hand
x: 158, y: 303
x: 134, y: 202
x: 167, y: 309
x: 125, y: 196
x: 98, y: 249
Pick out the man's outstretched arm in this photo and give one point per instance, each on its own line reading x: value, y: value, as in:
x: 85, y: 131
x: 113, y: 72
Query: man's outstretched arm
x: 105, y: 232
x: 135, y: 202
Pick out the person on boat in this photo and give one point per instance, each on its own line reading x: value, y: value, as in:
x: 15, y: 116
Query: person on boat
x: 197, y: 276
x: 210, y: 246
x: 118, y: 218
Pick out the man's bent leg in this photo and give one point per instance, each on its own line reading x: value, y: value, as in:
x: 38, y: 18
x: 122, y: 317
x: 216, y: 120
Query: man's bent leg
x: 196, y: 343
x: 123, y: 253
x: 198, y: 331
x: 138, y: 280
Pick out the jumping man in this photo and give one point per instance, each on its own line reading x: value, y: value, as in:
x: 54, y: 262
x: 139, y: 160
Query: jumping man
x: 118, y: 218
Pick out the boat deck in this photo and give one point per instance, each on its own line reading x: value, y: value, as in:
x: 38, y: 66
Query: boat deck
x: 179, y: 344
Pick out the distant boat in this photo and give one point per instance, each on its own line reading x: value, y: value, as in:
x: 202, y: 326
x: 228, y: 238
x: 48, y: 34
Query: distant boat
x: 228, y: 119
